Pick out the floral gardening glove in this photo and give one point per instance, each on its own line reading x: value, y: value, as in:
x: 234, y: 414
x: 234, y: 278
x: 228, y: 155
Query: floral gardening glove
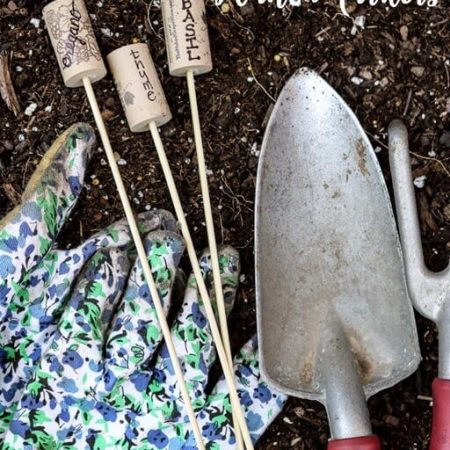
x: 35, y: 278
x: 111, y: 388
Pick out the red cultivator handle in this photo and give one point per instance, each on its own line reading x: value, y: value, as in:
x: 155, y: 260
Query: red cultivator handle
x: 359, y: 443
x: 440, y: 434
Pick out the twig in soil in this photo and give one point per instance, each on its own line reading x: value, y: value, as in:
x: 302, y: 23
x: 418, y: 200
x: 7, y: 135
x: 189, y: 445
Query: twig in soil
x: 257, y: 82
x: 6, y: 87
x: 222, y: 233
x: 238, y: 201
x: 438, y: 24
x: 408, y: 102
x: 378, y: 141
x: 425, y: 398
x: 448, y: 76
x: 13, y: 196
x: 323, y: 31
x: 149, y: 7
x: 429, y: 158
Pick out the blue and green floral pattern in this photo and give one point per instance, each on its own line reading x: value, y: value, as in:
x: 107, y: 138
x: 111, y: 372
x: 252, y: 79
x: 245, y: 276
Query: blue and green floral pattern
x: 82, y: 362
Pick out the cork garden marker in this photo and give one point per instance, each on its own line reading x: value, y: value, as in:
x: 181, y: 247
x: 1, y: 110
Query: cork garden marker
x: 81, y: 63
x: 189, y: 54
x: 146, y: 108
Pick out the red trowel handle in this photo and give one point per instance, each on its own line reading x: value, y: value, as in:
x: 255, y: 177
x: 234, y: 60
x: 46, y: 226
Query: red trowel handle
x: 440, y: 434
x: 360, y: 443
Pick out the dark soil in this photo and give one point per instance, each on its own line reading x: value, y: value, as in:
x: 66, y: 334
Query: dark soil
x: 402, y: 57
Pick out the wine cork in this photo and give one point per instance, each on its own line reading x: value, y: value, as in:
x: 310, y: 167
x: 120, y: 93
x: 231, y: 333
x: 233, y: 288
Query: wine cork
x: 186, y: 33
x: 74, y: 42
x: 139, y: 88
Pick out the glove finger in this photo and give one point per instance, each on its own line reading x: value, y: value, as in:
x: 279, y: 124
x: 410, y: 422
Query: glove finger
x: 73, y: 363
x: 135, y: 331
x: 191, y: 333
x: 261, y: 403
x: 48, y: 287
x: 25, y: 334
x: 27, y: 232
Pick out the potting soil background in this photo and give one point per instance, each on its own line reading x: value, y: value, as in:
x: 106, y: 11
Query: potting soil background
x: 396, y: 66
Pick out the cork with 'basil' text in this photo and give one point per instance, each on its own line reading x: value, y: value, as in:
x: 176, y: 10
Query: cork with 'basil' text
x: 186, y: 33
x: 73, y: 40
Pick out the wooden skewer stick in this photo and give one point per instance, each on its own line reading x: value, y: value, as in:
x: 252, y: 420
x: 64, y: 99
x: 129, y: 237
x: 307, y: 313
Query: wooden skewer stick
x: 131, y: 66
x: 223, y: 357
x: 190, y: 54
x: 218, y: 289
x: 83, y: 71
x: 143, y: 258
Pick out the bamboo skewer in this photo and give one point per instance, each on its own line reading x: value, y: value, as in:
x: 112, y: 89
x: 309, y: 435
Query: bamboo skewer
x: 143, y: 258
x: 146, y: 108
x: 189, y: 54
x: 224, y: 358
x: 83, y: 71
x: 218, y: 289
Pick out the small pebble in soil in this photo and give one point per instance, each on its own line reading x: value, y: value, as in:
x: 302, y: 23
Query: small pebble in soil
x: 404, y: 32
x: 366, y: 74
x: 356, y: 80
x: 35, y: 22
x: 392, y: 420
x: 107, y: 32
x: 418, y: 71
x: 446, y: 213
x: 299, y: 411
x: 419, y: 182
x: 360, y: 21
x: 31, y: 108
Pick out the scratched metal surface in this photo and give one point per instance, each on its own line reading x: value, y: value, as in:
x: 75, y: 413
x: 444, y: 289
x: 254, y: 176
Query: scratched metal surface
x: 327, y: 247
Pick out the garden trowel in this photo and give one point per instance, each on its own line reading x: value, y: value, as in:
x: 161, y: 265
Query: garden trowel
x: 335, y: 322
